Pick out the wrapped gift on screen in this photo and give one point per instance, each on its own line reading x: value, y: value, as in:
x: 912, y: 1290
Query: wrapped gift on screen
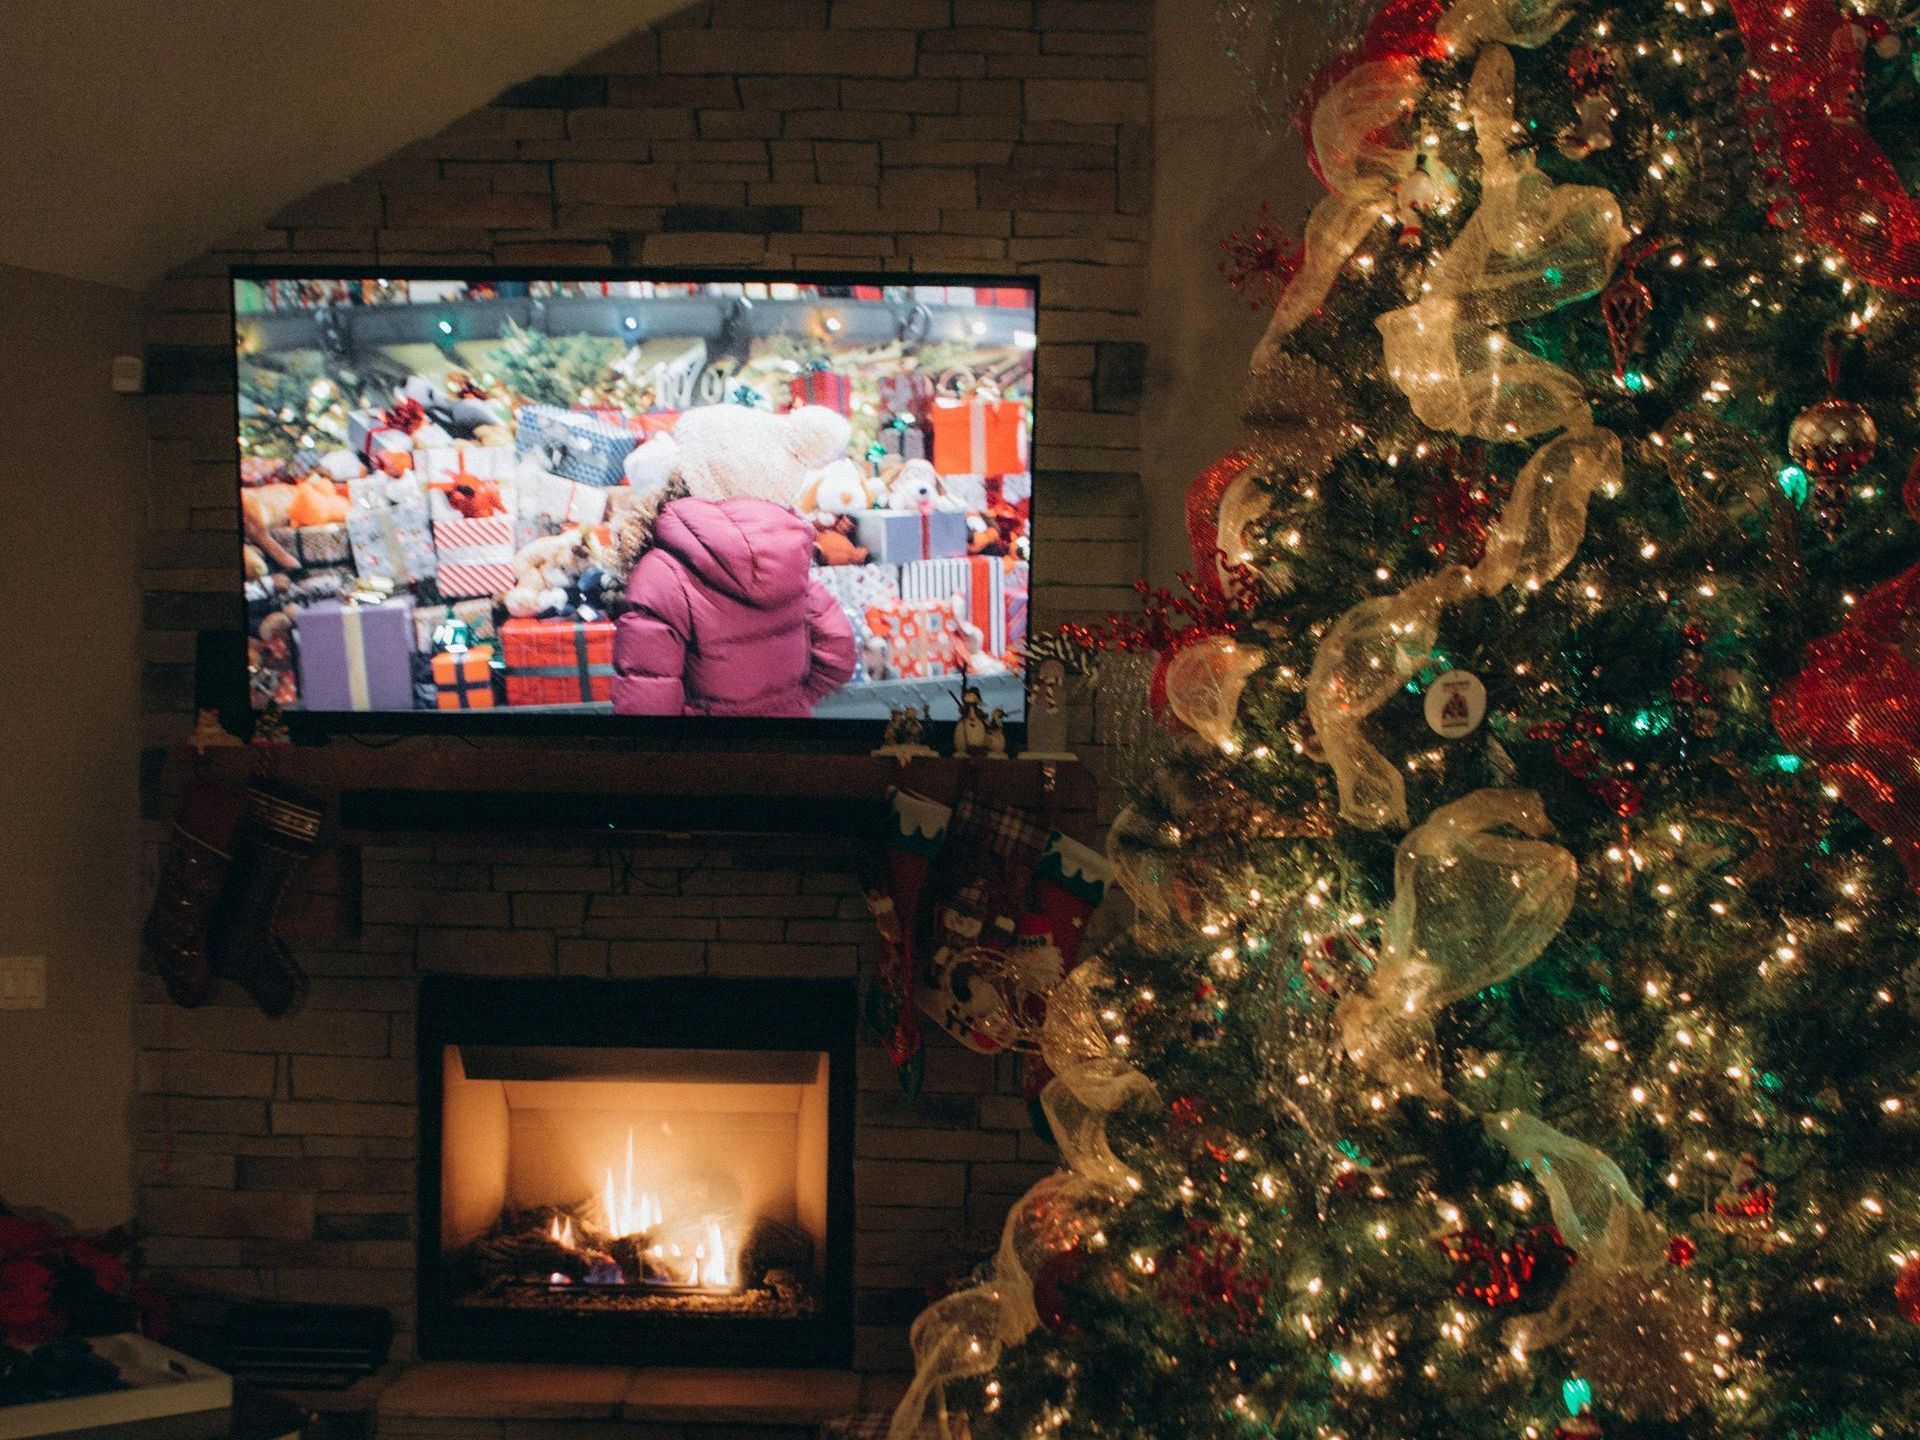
x: 979, y: 437
x: 923, y: 636
x: 313, y: 545
x: 356, y: 655
x: 907, y: 393
x: 388, y: 531
x: 558, y: 662
x: 904, y: 438
x: 475, y: 557
x: 978, y: 583
x: 548, y: 504
x: 893, y: 537
x: 482, y: 462
x: 463, y: 680
x: 369, y: 432
x: 476, y: 615
x: 576, y: 447
x: 1018, y: 590
x: 819, y: 384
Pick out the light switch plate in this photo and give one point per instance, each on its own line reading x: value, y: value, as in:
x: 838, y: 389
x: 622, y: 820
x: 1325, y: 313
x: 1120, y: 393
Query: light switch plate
x: 23, y: 982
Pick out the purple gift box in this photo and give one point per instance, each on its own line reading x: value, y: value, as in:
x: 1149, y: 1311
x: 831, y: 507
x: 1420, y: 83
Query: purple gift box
x: 356, y: 657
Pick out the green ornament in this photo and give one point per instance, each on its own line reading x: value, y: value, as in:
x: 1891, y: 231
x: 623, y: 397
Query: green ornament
x: 1793, y: 480
x: 1576, y: 1394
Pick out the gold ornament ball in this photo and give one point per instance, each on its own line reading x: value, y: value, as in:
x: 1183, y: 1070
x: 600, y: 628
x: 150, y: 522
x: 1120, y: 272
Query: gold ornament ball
x: 1833, y: 438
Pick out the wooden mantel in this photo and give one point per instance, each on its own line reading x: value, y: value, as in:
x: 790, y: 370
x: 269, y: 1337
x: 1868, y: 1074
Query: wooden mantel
x: 421, y: 789
x: 683, y: 781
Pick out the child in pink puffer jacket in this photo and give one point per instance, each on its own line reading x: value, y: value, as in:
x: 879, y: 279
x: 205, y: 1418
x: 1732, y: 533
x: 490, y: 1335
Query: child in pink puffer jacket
x: 722, y: 616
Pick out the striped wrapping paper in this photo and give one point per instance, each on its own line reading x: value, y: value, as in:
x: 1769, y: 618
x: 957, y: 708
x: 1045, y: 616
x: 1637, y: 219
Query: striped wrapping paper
x: 475, y: 556
x: 979, y: 581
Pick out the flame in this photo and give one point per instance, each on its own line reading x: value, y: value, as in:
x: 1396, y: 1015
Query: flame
x: 713, y: 1258
x: 626, y: 1210
x: 560, y: 1231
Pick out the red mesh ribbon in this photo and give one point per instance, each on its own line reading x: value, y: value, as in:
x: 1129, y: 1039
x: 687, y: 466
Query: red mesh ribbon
x: 1812, y: 73
x: 1855, y: 713
x: 1401, y: 30
x: 1203, y: 518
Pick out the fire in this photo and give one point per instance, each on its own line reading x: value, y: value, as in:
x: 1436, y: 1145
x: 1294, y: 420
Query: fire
x: 712, y: 1258
x: 560, y: 1231
x: 627, y: 1211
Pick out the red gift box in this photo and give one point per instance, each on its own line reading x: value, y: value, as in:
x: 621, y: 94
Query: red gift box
x: 464, y: 680
x: 978, y: 437
x: 822, y: 387
x: 868, y: 292
x: 557, y: 662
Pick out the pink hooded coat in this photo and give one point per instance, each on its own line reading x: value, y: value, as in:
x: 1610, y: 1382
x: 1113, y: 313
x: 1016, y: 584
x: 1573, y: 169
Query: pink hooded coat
x: 723, y: 619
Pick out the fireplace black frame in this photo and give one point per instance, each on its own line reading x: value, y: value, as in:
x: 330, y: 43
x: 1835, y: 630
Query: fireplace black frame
x: 695, y: 1013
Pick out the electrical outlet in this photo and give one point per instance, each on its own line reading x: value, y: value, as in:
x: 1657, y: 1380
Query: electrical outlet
x: 23, y: 982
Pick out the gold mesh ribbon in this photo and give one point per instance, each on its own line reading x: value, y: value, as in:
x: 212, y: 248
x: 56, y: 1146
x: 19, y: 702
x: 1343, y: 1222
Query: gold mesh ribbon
x: 1530, y: 248
x: 1471, y: 906
x: 962, y: 1336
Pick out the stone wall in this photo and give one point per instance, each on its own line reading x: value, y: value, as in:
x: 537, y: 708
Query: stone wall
x: 275, y: 1158
x: 989, y: 136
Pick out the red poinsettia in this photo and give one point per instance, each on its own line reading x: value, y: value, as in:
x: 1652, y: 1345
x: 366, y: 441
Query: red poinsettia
x: 52, y: 1283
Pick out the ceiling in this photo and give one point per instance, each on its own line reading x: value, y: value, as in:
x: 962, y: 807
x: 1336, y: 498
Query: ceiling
x: 139, y: 132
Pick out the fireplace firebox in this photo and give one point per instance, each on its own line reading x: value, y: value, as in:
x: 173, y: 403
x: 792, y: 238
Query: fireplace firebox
x: 636, y: 1171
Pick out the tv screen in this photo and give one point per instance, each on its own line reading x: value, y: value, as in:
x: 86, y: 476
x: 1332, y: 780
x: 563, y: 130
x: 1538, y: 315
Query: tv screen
x: 500, y: 493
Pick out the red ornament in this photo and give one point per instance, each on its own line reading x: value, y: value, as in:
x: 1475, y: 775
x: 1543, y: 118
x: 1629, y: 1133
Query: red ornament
x: 1260, y: 260
x: 1498, y: 1275
x: 1855, y: 713
x: 1626, y: 305
x: 1852, y: 196
x: 1680, y: 1251
x: 1188, y: 1112
x: 1053, y: 1280
x: 1208, y: 1281
x: 1906, y: 1292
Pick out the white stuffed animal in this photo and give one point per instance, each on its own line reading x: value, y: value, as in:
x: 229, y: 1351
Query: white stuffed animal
x: 838, y: 489
x: 916, y: 484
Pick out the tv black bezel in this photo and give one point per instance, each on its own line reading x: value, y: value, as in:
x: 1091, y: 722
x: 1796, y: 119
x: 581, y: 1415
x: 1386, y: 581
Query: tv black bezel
x: 715, y: 732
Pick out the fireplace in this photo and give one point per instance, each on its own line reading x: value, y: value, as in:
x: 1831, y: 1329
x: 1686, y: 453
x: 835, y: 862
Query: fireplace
x: 636, y: 1171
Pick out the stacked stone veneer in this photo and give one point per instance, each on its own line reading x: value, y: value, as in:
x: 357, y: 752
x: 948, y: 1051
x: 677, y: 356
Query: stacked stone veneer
x: 992, y: 136
x: 276, y: 1158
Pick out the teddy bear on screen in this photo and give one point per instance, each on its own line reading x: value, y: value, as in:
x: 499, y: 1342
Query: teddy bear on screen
x: 722, y: 616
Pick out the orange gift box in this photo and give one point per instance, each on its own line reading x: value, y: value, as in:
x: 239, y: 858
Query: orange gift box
x: 464, y: 680
x: 978, y: 437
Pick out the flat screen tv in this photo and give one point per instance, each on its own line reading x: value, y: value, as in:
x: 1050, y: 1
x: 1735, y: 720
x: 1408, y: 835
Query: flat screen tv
x: 484, y: 497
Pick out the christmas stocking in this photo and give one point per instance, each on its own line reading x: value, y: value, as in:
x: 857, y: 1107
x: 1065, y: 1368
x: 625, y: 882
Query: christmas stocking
x: 191, y: 878
x: 917, y: 828
x: 979, y: 889
x: 276, y: 833
x: 1068, y: 886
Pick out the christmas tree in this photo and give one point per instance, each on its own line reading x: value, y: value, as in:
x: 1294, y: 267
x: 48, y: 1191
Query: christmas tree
x: 1514, y: 1031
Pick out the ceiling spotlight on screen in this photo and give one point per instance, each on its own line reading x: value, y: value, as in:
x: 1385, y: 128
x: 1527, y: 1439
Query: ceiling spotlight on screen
x: 473, y: 498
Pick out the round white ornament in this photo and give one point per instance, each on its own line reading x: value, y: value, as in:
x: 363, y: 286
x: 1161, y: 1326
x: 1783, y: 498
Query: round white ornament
x: 1456, y: 704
